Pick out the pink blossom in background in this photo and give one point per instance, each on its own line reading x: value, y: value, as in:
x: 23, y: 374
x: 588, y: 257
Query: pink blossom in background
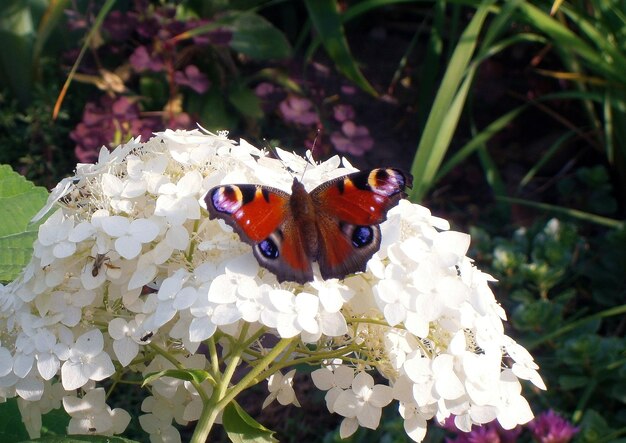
x: 264, y: 89
x: 141, y: 60
x: 341, y: 113
x: 298, y: 110
x: 353, y: 139
x: 107, y: 121
x: 193, y: 78
x: 550, y: 427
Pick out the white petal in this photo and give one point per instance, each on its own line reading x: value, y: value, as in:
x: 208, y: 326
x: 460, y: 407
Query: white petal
x: 323, y: 378
x: 177, y: 237
x: 90, y: 343
x: 395, y: 313
x: 127, y: 247
x: 47, y: 365
x: 381, y: 396
x: 143, y: 230
x: 348, y: 427
x: 115, y: 225
x: 100, y: 367
x: 415, y: 427
x: 369, y: 416
x: 72, y: 376
x: 125, y: 350
x: 362, y: 383
x: 346, y: 404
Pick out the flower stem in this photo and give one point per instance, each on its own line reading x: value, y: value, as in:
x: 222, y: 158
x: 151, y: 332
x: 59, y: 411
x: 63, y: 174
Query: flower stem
x: 224, y: 394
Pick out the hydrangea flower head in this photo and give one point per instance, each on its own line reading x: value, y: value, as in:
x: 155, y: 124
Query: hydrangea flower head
x: 129, y: 275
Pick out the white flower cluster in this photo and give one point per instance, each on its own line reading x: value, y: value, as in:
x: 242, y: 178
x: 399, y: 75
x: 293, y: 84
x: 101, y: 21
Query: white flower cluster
x: 130, y: 275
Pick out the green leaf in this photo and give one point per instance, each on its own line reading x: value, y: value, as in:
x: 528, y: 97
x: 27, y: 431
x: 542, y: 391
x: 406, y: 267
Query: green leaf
x: 19, y: 202
x: 327, y: 22
x: 241, y: 428
x: 447, y: 107
x: 196, y: 375
x: 214, y: 114
x: 257, y: 38
x: 11, y: 426
x: 245, y: 101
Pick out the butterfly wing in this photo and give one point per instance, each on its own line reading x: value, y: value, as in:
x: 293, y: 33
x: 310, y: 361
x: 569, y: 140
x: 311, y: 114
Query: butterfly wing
x: 350, y: 208
x: 262, y: 217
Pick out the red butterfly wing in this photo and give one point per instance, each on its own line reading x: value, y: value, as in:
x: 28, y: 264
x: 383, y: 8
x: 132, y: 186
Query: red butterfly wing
x: 362, y: 198
x: 262, y: 217
x: 253, y: 211
x: 350, y: 208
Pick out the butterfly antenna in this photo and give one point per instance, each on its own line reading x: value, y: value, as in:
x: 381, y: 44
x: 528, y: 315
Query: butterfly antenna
x: 272, y: 150
x: 311, y: 154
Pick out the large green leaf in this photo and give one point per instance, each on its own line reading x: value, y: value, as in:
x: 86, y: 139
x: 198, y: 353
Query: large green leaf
x: 245, y: 100
x: 19, y: 202
x: 257, y: 38
x: 241, y: 428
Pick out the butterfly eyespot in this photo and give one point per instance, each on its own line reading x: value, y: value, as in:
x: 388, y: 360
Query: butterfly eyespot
x: 362, y: 236
x: 227, y: 199
x: 386, y: 181
x: 268, y: 249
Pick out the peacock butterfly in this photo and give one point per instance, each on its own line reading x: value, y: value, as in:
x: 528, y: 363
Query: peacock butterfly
x: 336, y: 224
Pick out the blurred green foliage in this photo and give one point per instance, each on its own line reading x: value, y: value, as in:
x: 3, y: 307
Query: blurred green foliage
x: 565, y: 292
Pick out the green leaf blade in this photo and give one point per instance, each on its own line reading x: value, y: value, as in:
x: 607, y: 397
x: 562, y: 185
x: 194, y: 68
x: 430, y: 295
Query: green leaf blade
x: 242, y: 428
x: 257, y: 38
x: 19, y: 202
x: 327, y: 22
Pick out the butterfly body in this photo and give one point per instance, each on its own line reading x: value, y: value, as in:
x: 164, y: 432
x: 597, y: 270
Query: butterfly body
x: 335, y: 225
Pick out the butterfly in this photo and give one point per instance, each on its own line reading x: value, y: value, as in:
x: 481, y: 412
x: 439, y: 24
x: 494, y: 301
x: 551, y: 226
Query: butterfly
x: 335, y: 225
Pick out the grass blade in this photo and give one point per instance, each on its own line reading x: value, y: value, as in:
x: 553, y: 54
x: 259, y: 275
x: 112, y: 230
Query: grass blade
x: 327, y: 22
x: 92, y: 32
x: 573, y: 213
x: 447, y: 107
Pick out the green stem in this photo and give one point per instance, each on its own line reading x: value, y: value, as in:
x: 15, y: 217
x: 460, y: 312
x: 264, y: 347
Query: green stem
x: 224, y: 394
x: 578, y: 413
x: 618, y: 310
x: 250, y: 377
x: 215, y: 364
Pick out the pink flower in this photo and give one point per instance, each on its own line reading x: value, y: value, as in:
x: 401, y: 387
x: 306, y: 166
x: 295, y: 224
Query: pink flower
x: 298, y: 110
x: 193, y: 78
x: 264, y: 89
x: 549, y: 427
x: 343, y: 113
x: 353, y: 139
x: 141, y: 60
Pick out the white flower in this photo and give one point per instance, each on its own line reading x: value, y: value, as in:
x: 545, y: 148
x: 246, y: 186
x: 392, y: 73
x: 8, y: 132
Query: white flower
x: 513, y: 409
x: 124, y: 344
x: 49, y: 353
x: 335, y: 381
x: 364, y: 401
x: 414, y: 421
x: 52, y: 241
x: 179, y: 202
x: 91, y: 415
x: 292, y: 314
x: 129, y: 234
x: 281, y: 389
x: 86, y: 361
x: 160, y: 431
